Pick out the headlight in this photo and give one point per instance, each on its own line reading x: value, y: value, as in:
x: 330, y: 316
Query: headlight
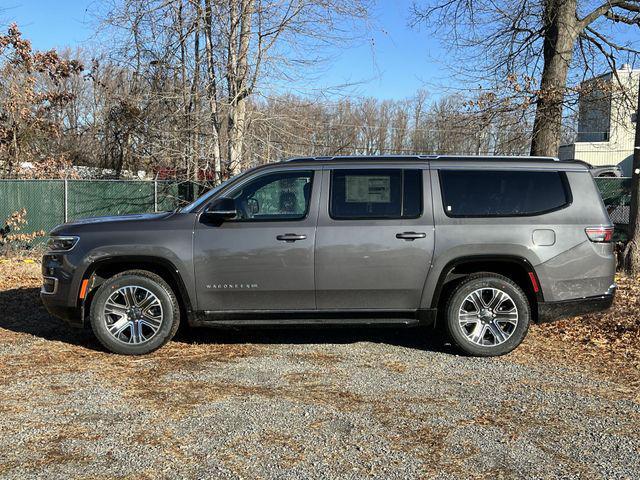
x: 61, y: 244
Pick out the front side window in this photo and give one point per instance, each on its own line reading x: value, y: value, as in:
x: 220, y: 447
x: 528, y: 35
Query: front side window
x: 275, y: 196
x: 483, y: 193
x: 379, y: 193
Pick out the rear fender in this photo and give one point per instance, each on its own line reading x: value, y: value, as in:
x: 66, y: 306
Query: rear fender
x: 513, y: 266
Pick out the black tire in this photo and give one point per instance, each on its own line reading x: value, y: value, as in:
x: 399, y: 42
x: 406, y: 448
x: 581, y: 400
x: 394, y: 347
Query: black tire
x: 457, y: 332
x: 144, y: 280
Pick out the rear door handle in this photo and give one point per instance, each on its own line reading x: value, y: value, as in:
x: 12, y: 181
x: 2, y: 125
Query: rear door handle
x: 410, y: 235
x: 290, y: 237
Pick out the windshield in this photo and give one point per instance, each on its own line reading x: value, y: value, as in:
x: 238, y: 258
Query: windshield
x: 204, y: 198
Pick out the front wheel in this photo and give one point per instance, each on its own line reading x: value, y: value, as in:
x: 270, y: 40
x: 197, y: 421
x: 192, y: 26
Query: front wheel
x: 134, y: 312
x: 487, y: 315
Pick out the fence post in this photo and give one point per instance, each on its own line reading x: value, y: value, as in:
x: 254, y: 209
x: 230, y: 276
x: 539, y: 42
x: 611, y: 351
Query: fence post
x: 155, y: 195
x: 66, y: 200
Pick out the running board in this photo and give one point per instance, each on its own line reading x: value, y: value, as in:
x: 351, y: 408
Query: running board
x: 311, y: 321
x: 314, y: 317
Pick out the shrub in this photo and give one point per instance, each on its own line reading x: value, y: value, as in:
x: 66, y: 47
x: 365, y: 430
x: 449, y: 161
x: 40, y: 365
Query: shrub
x: 12, y: 238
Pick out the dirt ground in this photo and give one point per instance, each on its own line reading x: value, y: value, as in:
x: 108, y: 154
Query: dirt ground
x: 326, y: 403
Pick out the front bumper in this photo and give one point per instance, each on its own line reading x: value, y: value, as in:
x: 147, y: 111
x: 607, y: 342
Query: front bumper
x: 59, y: 289
x: 552, y: 311
x: 71, y: 315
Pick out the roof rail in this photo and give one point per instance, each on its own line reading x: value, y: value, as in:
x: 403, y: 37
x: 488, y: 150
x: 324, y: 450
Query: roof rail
x: 400, y: 158
x: 300, y: 159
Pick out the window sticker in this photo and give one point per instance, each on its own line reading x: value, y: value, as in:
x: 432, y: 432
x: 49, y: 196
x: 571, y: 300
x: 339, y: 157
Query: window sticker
x: 368, y: 189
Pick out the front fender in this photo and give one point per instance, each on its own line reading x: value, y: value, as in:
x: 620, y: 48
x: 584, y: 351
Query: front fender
x: 140, y: 255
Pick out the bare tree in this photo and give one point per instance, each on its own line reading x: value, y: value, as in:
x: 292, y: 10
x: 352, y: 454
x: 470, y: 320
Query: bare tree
x: 165, y: 117
x: 528, y: 40
x: 32, y: 99
x: 225, y: 50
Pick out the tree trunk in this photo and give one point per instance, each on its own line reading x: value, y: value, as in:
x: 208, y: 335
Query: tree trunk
x: 212, y: 92
x: 194, y: 101
x: 237, y: 72
x: 237, y: 118
x: 559, y: 39
x: 14, y: 154
x: 632, y: 252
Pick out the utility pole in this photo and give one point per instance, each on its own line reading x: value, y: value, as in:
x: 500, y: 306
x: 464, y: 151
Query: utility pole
x: 632, y: 252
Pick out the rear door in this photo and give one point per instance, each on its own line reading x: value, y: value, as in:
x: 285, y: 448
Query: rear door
x: 264, y: 258
x: 375, y: 237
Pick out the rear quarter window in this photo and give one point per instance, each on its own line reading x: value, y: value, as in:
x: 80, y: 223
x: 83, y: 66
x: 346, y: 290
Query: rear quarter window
x: 492, y: 193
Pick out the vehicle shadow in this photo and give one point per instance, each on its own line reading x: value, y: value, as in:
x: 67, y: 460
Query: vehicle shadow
x: 420, y: 338
x: 21, y: 311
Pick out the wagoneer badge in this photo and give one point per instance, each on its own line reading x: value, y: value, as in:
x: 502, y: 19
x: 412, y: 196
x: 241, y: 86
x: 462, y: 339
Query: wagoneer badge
x: 231, y: 286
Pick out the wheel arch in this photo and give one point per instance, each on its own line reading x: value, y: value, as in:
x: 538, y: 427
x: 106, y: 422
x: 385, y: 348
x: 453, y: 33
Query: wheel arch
x: 517, y: 268
x: 100, y: 270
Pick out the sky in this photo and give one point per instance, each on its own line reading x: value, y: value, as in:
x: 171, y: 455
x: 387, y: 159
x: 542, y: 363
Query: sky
x: 393, y: 62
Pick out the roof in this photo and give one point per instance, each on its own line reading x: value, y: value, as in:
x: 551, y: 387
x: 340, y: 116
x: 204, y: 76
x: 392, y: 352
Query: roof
x: 445, y: 160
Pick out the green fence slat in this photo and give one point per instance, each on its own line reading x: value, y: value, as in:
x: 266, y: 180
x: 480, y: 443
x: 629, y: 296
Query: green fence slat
x: 42, y: 199
x: 615, y: 191
x: 103, y: 198
x: 616, y: 196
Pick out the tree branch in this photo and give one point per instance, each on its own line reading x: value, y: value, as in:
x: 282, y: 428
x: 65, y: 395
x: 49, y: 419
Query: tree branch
x: 599, y: 12
x: 610, y: 43
x: 622, y: 18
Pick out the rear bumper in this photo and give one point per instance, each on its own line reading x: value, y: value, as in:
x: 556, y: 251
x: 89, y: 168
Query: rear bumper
x: 552, y: 311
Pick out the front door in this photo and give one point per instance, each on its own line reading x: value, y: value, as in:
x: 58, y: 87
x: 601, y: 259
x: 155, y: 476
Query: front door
x: 264, y: 258
x: 375, y: 238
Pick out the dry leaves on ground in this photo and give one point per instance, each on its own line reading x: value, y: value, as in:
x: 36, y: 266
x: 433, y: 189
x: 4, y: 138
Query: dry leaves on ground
x: 609, y: 342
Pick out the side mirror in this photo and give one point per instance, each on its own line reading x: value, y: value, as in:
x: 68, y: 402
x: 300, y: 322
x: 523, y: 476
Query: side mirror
x: 222, y: 209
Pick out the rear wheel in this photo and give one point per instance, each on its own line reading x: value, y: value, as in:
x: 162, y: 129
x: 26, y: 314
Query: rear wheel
x: 134, y: 312
x: 487, y: 315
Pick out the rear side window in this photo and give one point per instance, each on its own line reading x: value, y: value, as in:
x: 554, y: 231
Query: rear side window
x: 376, y: 193
x: 483, y: 193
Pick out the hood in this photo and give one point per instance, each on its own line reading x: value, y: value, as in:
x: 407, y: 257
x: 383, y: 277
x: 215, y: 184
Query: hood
x: 140, y: 217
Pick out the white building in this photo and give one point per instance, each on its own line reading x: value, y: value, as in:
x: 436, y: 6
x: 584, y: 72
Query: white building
x: 606, y: 121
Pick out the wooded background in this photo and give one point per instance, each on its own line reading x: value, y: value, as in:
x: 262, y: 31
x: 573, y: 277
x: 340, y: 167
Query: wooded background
x: 184, y: 88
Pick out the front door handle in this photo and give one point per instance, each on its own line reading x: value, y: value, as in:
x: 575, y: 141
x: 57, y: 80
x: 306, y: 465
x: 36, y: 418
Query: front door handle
x: 290, y: 237
x: 410, y: 235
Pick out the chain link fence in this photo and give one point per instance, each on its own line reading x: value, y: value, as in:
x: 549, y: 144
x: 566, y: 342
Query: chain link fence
x: 51, y: 202
x: 616, y: 195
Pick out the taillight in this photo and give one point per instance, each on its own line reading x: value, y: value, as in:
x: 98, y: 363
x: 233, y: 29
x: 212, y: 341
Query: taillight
x: 599, y: 234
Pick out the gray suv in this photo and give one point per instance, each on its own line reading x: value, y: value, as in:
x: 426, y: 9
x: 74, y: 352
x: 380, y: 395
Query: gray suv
x: 481, y: 246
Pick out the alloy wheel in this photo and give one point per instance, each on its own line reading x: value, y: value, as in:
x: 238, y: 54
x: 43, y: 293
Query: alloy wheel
x: 133, y: 314
x: 488, y: 317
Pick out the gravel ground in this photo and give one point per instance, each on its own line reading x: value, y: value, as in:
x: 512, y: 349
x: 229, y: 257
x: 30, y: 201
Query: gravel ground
x: 326, y: 403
